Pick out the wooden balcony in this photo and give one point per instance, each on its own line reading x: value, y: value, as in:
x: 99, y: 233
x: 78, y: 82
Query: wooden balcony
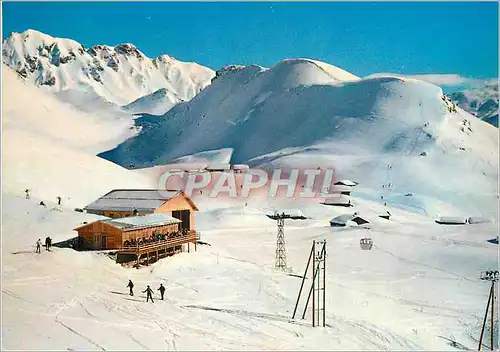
x: 161, y: 245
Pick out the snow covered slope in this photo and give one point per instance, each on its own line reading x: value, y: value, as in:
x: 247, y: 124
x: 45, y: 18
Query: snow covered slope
x: 156, y: 103
x: 227, y: 296
x: 481, y: 102
x: 297, y: 113
x: 119, y: 74
x: 49, y: 147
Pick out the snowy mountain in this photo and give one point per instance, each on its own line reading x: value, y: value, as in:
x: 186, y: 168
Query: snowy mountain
x: 119, y: 74
x: 300, y: 112
x: 481, y: 102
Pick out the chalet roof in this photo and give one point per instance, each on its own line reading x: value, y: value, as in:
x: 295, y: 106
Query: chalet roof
x: 346, y: 183
x: 138, y: 222
x: 135, y: 222
x: 135, y: 199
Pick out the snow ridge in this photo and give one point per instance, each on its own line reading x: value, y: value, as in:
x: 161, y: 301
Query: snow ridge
x: 120, y: 74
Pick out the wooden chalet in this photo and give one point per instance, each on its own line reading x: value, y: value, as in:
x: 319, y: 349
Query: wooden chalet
x: 120, y: 203
x: 136, y: 237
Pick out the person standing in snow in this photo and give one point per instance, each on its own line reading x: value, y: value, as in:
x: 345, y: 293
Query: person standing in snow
x: 162, y: 290
x: 27, y: 191
x: 47, y: 243
x: 58, y: 200
x: 149, y: 293
x: 131, y: 286
x: 38, y: 246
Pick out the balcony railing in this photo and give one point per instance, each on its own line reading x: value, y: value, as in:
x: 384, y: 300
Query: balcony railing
x: 159, y: 245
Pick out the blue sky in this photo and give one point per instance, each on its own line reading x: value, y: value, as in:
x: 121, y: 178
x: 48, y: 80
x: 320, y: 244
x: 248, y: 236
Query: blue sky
x: 363, y: 38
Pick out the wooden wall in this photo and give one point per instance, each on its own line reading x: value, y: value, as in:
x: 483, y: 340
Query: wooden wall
x: 93, y: 232
x: 178, y: 203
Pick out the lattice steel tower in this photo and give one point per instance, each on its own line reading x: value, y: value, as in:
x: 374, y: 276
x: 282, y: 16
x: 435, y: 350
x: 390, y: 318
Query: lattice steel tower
x: 280, y: 241
x: 280, y: 244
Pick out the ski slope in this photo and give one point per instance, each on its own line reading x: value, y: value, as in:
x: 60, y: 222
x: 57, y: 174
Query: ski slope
x: 416, y: 288
x: 119, y: 74
x: 50, y: 147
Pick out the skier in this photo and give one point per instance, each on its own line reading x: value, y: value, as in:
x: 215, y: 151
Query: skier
x: 47, y: 243
x: 162, y: 291
x: 149, y: 293
x: 38, y: 246
x: 131, y: 286
x: 27, y: 191
x: 50, y: 243
x: 58, y: 200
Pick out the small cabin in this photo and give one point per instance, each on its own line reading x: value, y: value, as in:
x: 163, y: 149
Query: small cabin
x: 120, y: 203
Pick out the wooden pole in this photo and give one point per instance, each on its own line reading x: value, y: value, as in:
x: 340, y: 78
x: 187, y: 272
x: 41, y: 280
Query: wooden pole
x: 484, y: 322
x: 302, y: 284
x: 314, y: 281
x: 324, y: 281
x: 492, y: 313
x: 318, y: 288
x: 309, y: 296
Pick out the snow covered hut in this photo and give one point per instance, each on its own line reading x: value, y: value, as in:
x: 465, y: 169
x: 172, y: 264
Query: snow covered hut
x: 120, y: 203
x: 338, y: 200
x: 478, y: 220
x: 451, y: 220
x: 348, y: 219
x: 347, y: 183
